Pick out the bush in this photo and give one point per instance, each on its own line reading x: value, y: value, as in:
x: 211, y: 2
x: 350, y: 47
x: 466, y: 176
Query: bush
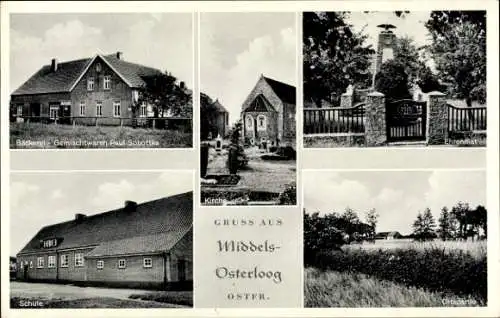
x: 289, y: 195
x: 392, y: 81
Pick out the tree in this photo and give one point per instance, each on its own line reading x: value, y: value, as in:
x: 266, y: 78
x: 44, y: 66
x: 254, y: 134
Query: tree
x: 371, y: 218
x: 459, y: 51
x: 446, y: 230
x: 424, y: 225
x: 334, y: 56
x: 461, y: 212
x: 392, y: 80
x: 236, y: 159
x: 406, y: 53
x: 208, y: 116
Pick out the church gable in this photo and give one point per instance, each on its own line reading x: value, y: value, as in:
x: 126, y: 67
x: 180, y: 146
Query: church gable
x: 260, y: 104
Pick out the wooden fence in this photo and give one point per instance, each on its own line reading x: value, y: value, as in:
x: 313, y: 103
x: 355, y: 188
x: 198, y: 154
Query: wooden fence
x: 461, y: 119
x: 177, y: 123
x: 335, y: 120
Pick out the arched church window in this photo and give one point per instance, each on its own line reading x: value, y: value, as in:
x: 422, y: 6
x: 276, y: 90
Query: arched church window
x: 249, y: 121
x: 261, y: 122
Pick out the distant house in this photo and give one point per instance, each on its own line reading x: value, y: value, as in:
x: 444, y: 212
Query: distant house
x: 12, y: 267
x: 101, y: 86
x: 388, y: 235
x: 148, y: 245
x: 268, y: 113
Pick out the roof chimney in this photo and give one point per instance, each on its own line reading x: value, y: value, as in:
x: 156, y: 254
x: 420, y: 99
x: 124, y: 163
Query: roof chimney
x: 53, y: 65
x: 119, y: 55
x: 79, y: 217
x: 182, y: 85
x: 130, y: 206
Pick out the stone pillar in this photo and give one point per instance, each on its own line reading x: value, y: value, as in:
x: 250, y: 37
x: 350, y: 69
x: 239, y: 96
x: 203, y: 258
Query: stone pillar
x: 437, y: 119
x: 375, y: 125
x: 346, y: 100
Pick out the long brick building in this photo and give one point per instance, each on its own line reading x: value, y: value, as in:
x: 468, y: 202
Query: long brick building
x: 148, y: 245
x: 268, y: 113
x: 82, y: 90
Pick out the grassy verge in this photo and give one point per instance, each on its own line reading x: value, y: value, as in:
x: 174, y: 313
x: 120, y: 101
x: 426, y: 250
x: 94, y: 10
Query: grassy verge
x: 434, y: 268
x: 37, y: 135
x: 184, y: 298
x: 334, y: 289
x: 96, y: 302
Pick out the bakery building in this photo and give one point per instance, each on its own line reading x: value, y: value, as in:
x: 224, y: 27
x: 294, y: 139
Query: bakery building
x: 147, y: 245
x: 103, y: 87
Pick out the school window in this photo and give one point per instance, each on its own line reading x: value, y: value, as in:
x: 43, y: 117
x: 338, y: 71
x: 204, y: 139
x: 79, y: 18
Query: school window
x: 98, y: 109
x: 261, y: 122
x: 90, y: 84
x: 100, y: 264
x: 117, y: 109
x: 107, y: 82
x: 19, y: 110
x: 122, y: 263
x: 31, y: 264
x: 39, y: 262
x: 64, y: 260
x: 82, y: 108
x: 51, y: 262
x: 53, y: 112
x: 148, y: 262
x: 78, y: 259
x: 143, y: 110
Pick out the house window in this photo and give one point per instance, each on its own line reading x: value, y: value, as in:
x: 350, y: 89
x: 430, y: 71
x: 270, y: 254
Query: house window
x: 39, y: 262
x: 78, y: 260
x: 53, y: 112
x: 147, y: 262
x: 249, y: 122
x: 100, y: 264
x: 31, y: 264
x: 90, y: 84
x: 117, y: 109
x: 98, y: 109
x: 261, y: 122
x: 64, y: 260
x: 98, y: 67
x: 51, y: 261
x: 143, y: 110
x: 19, y: 110
x: 122, y: 263
x: 107, y: 82
x: 82, y: 108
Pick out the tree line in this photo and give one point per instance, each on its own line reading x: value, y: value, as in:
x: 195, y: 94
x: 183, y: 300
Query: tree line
x: 335, y: 56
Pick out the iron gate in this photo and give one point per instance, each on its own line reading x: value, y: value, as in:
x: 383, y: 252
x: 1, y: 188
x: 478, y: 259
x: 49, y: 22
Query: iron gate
x: 406, y: 120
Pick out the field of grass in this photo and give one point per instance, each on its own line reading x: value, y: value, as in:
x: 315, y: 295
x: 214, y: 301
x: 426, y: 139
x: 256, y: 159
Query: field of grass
x: 184, y: 298
x: 455, y: 269
x: 335, y: 289
x: 37, y: 135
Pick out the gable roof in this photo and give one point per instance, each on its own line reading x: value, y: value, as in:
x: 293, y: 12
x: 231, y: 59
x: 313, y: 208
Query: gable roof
x: 388, y: 234
x: 69, y: 73
x: 260, y: 104
x: 284, y: 91
x: 165, y: 220
x: 218, y: 107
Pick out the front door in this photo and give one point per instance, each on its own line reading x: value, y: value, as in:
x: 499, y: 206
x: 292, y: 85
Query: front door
x: 181, y: 270
x: 65, y: 114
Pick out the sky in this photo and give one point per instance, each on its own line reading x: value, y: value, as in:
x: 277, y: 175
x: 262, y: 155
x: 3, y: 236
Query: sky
x: 163, y: 41
x: 397, y: 196
x: 40, y: 199
x: 236, y: 48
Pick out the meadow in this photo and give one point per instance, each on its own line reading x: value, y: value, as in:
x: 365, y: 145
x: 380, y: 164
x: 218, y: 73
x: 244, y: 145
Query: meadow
x: 399, y: 273
x: 50, y: 136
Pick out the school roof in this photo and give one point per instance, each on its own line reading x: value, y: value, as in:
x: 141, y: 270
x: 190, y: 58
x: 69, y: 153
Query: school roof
x: 68, y: 73
x: 284, y: 91
x: 152, y: 226
x: 387, y: 234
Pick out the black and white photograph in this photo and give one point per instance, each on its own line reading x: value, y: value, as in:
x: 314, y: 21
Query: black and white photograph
x: 395, y: 238
x: 394, y: 78
x: 247, y: 108
x: 99, y: 80
x: 101, y: 239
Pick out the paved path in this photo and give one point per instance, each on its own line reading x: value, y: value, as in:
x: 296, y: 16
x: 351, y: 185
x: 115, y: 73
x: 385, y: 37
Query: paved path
x: 67, y: 292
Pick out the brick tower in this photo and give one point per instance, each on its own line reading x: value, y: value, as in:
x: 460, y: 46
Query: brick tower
x: 385, y: 47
